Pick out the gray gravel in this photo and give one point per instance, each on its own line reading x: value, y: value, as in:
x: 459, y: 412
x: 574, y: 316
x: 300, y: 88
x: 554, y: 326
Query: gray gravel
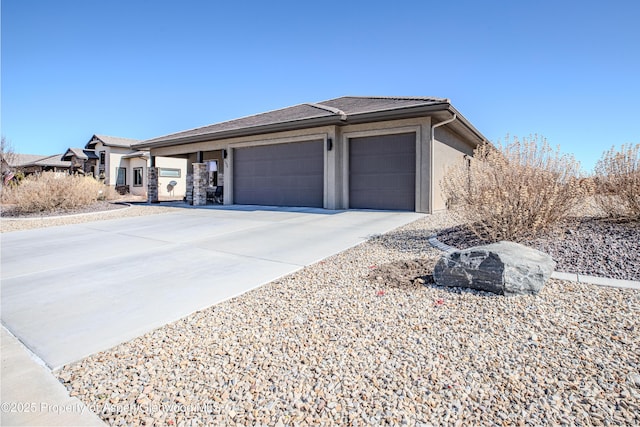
x: 332, y: 344
x: 590, y: 246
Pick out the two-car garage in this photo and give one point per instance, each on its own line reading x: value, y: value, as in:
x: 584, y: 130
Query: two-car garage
x: 381, y: 173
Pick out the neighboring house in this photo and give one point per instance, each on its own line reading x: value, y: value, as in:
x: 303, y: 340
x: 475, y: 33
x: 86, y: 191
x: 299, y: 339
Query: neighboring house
x: 113, y: 160
x: 35, y: 163
x: 344, y: 153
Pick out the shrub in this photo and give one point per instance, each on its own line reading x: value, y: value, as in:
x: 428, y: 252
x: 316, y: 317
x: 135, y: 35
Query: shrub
x: 617, y: 177
x: 513, y: 192
x: 52, y: 191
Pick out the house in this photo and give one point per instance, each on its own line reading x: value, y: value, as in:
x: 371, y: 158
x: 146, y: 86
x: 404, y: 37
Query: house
x: 35, y: 163
x: 113, y: 160
x: 345, y: 153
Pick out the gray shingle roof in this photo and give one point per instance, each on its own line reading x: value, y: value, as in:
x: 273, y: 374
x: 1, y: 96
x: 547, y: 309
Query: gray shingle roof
x: 77, y: 152
x: 53, y: 161
x: 24, y: 159
x: 80, y: 153
x: 331, y: 111
x: 144, y: 154
x: 113, y: 141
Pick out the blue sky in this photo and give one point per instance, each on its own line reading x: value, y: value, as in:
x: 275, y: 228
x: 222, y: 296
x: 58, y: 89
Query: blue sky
x: 567, y: 70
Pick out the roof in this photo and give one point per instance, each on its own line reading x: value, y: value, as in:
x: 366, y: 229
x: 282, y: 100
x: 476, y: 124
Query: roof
x: 111, y: 141
x: 338, y: 111
x: 144, y: 154
x: 53, y: 161
x: 24, y: 159
x: 79, y: 153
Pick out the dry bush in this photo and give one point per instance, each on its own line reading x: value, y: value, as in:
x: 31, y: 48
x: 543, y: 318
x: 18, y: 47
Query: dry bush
x: 52, y: 191
x: 515, y: 191
x: 617, y: 177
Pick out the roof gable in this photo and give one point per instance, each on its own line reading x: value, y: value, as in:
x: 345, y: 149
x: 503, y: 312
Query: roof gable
x: 79, y: 153
x: 111, y: 141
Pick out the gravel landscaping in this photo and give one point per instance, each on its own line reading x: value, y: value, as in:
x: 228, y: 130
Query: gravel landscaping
x: 591, y: 246
x: 365, y: 338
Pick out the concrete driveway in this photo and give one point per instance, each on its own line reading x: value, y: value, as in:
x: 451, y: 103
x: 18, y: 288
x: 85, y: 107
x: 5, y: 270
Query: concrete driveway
x: 71, y: 291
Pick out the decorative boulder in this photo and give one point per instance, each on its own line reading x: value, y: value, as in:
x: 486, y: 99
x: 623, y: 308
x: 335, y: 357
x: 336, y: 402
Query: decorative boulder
x: 504, y: 268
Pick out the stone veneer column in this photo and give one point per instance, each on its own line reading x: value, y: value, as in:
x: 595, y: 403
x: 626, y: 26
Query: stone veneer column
x: 152, y: 185
x: 189, y: 192
x: 200, y: 178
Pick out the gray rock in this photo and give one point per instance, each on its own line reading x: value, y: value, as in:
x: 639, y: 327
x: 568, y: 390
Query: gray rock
x: 504, y: 268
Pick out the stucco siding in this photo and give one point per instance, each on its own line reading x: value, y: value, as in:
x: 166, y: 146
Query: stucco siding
x: 448, y: 148
x: 135, y: 163
x: 164, y: 189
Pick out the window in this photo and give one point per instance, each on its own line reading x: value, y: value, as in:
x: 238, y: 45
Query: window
x: 102, y: 161
x: 169, y: 173
x: 137, y: 177
x: 121, y: 176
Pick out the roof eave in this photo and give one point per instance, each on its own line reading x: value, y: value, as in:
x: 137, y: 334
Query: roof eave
x: 248, y: 131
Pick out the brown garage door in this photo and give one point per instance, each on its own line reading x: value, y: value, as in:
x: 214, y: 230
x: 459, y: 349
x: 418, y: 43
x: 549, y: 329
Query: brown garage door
x: 280, y: 174
x: 382, y: 172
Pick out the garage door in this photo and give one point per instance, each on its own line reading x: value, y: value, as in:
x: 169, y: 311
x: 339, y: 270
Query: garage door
x: 382, y: 172
x: 280, y: 174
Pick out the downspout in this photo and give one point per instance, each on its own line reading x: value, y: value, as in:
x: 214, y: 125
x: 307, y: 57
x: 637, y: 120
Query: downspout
x: 433, y: 139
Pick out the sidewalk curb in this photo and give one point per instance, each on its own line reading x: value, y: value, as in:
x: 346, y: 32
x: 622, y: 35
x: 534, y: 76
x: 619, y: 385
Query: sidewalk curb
x: 560, y: 275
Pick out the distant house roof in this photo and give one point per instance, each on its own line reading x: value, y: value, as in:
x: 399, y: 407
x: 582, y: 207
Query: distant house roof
x: 17, y: 160
x: 79, y: 153
x: 52, y: 161
x: 110, y: 141
x: 338, y: 111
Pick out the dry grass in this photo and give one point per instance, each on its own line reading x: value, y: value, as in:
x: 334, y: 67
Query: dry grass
x: 50, y: 191
x: 617, y: 177
x: 515, y: 191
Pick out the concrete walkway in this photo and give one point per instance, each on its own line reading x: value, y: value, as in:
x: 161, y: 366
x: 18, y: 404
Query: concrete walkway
x: 32, y: 396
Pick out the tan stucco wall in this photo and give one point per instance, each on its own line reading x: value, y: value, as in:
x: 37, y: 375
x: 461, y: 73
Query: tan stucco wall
x: 448, y: 148
x: 179, y: 190
x: 115, y: 161
x: 137, y: 162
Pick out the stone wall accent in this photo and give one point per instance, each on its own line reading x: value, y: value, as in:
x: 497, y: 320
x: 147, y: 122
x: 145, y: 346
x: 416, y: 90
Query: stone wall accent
x: 200, y: 183
x: 189, y: 191
x: 152, y: 185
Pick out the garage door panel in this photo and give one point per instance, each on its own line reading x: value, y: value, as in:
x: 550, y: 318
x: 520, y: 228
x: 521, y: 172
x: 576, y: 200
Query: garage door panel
x: 280, y: 174
x: 382, y: 172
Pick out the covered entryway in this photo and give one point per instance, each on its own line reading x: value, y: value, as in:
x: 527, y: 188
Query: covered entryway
x: 382, y: 172
x: 290, y: 174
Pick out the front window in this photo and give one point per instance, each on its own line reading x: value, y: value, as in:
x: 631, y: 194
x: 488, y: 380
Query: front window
x: 102, y: 161
x: 169, y: 173
x: 121, y: 176
x: 137, y: 177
